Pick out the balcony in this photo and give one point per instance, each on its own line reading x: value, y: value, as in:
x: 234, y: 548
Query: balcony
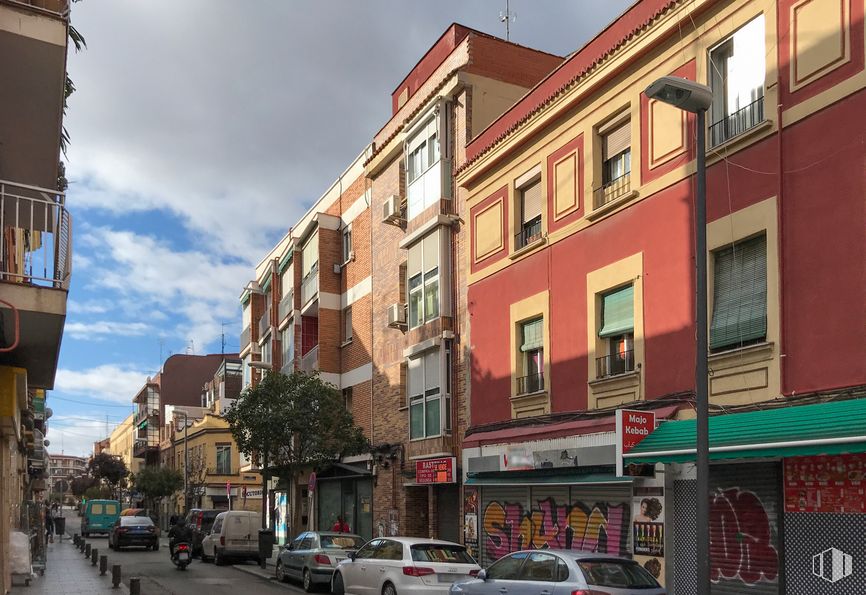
x: 245, y: 337
x: 265, y: 321
x: 530, y: 233
x: 142, y: 446
x: 612, y: 190
x: 310, y: 285
x: 143, y: 414
x: 532, y: 383
x: 737, y: 123
x: 310, y: 361
x: 220, y: 471
x: 614, y: 365
x: 35, y: 270
x: 287, y: 304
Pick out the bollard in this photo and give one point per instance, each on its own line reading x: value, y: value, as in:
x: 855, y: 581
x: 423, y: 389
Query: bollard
x: 134, y: 586
x: 81, y: 544
x: 75, y: 538
x: 115, y: 575
x: 103, y: 565
x: 94, y: 556
x: 87, y: 549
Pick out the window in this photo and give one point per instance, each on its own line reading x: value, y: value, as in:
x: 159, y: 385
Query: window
x: 389, y: 550
x: 739, y: 295
x: 532, y: 356
x: 266, y: 350
x: 507, y: 568
x: 223, y: 459
x: 737, y: 73
x: 347, y: 399
x: 617, y: 330
x: 425, y: 175
x: 347, y: 243
x: 310, y: 269
x: 423, y: 273
x: 287, y: 342
x: 530, y: 214
x: 424, y: 390
x: 247, y: 371
x: 347, y: 324
x: 616, y: 163
x: 367, y: 551
x: 539, y: 567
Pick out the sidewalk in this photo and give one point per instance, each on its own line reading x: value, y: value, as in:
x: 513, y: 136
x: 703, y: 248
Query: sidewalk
x: 68, y: 572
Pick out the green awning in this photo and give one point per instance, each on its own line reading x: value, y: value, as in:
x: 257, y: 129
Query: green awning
x: 284, y: 262
x: 825, y: 428
x: 617, y: 314
x: 517, y: 478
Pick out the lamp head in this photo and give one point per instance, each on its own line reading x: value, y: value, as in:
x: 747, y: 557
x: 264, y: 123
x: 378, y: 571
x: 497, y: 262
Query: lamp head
x: 682, y: 93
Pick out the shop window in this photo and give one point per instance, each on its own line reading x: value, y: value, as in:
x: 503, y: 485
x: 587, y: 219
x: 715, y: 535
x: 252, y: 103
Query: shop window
x: 617, y: 333
x: 739, y: 295
x: 532, y: 357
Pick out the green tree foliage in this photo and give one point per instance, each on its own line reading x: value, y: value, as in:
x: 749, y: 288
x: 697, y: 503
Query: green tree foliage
x: 109, y: 469
x: 81, y: 484
x: 157, y: 482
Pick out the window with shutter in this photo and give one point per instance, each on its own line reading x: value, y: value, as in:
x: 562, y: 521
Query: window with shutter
x: 617, y: 330
x: 530, y: 213
x: 739, y: 295
x: 425, y: 395
x: 423, y: 279
x: 532, y: 349
x: 616, y: 163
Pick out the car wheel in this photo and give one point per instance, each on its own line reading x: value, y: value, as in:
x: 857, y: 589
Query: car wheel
x: 218, y: 559
x: 204, y: 558
x: 389, y: 589
x: 337, y: 587
x: 309, y: 586
x: 280, y: 572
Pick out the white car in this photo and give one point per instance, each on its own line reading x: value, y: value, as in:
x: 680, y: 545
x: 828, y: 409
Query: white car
x: 403, y: 566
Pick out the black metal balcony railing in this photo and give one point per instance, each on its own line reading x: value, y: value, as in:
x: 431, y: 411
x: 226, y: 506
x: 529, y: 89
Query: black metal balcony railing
x: 530, y: 384
x: 612, y: 190
x: 737, y: 123
x: 531, y: 232
x: 613, y: 365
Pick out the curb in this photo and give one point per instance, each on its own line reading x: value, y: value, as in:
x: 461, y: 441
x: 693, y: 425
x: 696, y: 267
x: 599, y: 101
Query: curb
x: 122, y: 588
x: 255, y: 571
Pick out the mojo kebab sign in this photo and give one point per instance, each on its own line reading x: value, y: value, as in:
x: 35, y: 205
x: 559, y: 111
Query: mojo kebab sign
x: 631, y: 427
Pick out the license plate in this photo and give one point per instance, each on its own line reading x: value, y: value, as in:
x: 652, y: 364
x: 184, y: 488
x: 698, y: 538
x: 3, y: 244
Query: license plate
x: 447, y: 578
x: 183, y: 556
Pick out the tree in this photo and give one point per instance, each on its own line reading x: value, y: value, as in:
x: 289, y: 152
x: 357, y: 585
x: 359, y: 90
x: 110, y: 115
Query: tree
x: 81, y: 484
x: 156, y: 483
x: 109, y: 469
x: 294, y: 421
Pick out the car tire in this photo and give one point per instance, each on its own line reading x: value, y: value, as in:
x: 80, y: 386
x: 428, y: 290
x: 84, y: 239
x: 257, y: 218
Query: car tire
x: 337, y: 587
x: 280, y: 573
x: 204, y: 558
x: 389, y: 589
x: 307, y: 578
x: 217, y: 558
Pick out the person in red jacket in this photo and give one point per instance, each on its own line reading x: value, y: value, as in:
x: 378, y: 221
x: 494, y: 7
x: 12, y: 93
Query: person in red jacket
x: 341, y: 526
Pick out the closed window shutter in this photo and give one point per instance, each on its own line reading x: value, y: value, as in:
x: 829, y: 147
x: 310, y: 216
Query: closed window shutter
x: 739, y: 294
x: 617, y: 140
x: 310, y: 254
x: 431, y: 251
x: 617, y: 314
x: 531, y: 201
x: 414, y: 263
x: 533, y: 335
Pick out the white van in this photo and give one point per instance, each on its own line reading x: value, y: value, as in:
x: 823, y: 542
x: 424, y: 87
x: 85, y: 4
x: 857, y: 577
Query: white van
x: 235, y: 534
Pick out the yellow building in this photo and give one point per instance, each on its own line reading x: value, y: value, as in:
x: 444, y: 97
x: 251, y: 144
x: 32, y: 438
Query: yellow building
x: 121, y: 442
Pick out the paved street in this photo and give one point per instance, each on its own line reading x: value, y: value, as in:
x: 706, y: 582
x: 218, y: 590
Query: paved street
x: 158, y: 575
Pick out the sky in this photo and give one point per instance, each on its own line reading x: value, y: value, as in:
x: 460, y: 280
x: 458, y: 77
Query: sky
x: 201, y: 130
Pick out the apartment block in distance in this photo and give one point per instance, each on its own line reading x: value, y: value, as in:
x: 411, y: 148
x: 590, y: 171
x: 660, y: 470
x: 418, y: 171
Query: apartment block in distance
x: 35, y: 252
x: 419, y: 323
x: 581, y: 289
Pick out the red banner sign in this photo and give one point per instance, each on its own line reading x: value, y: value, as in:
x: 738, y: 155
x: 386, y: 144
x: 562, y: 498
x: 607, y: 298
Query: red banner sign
x: 436, y: 470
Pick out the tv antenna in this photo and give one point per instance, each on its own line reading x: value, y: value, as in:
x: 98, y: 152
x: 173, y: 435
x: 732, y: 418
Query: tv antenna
x: 507, y: 17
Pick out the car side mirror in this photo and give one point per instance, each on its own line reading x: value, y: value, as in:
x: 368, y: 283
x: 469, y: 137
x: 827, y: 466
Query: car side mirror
x: 353, y: 555
x: 482, y: 574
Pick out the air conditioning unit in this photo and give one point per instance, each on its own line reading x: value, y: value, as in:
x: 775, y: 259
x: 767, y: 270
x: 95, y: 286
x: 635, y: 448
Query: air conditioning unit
x: 392, y: 211
x: 397, y: 315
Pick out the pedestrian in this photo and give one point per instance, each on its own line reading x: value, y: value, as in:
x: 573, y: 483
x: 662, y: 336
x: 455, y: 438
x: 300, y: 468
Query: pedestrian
x: 341, y: 526
x: 49, y: 524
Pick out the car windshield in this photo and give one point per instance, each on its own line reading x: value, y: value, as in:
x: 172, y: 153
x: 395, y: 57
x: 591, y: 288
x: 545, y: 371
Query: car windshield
x: 620, y: 574
x: 437, y: 552
x: 341, y: 542
x: 126, y: 521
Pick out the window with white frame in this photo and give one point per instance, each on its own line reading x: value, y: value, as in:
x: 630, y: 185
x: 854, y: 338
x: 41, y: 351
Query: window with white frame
x: 423, y: 277
x: 247, y: 371
x: 532, y: 357
x: 223, y: 459
x: 347, y: 243
x: 617, y: 332
x: 737, y: 70
x: 616, y: 162
x: 426, y: 399
x: 426, y: 178
x: 287, y: 343
x: 266, y: 351
x: 347, y: 324
x: 309, y: 268
x: 530, y: 213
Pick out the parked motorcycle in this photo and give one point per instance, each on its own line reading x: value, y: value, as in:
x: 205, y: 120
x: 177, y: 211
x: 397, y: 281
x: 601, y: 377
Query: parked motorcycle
x: 181, y: 555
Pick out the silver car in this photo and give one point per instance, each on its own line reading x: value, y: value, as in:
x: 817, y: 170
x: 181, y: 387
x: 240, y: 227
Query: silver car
x: 313, y: 555
x: 403, y: 566
x: 561, y: 572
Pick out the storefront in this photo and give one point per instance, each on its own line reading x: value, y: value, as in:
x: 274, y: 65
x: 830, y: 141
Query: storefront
x: 345, y: 491
x: 788, y: 499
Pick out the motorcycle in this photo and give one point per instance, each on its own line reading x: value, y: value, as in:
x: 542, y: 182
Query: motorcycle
x: 181, y: 556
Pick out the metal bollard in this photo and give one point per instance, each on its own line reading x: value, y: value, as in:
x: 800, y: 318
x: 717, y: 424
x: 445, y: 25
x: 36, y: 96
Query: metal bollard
x: 94, y: 556
x: 87, y: 549
x: 103, y: 565
x: 115, y: 575
x: 134, y: 586
x: 81, y: 545
x: 75, y: 538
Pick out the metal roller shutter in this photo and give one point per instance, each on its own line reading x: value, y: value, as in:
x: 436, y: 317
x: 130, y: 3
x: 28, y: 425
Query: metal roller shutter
x: 502, y: 510
x: 608, y: 522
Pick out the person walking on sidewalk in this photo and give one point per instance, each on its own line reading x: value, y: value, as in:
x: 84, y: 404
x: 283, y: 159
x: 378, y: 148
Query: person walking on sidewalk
x: 341, y: 526
x: 49, y: 524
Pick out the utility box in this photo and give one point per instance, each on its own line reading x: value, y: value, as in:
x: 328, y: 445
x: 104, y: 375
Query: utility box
x: 266, y: 543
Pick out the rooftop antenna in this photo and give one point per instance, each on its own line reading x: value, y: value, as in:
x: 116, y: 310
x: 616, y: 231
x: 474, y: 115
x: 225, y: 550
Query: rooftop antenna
x: 190, y: 347
x: 506, y: 17
x: 223, y: 351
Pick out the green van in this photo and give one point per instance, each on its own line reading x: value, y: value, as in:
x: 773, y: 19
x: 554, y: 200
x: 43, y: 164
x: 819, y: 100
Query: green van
x: 99, y: 516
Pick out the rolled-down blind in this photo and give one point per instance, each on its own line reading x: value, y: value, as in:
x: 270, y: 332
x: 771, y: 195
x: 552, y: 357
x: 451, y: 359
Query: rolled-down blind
x: 617, y: 140
x: 617, y: 315
x: 739, y: 294
x: 531, y: 201
x: 533, y: 335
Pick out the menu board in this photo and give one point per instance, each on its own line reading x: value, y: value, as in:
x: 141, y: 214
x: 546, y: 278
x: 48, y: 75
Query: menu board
x: 436, y: 470
x: 826, y: 483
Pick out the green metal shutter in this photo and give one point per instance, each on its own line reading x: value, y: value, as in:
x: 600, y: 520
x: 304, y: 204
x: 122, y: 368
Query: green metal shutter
x: 740, y: 294
x: 533, y: 335
x: 617, y: 314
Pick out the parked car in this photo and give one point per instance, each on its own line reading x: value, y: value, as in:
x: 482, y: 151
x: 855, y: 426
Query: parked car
x: 142, y: 512
x: 99, y: 516
x: 200, y: 520
x: 133, y: 531
x: 235, y: 534
x: 312, y: 557
x: 400, y: 565
x: 561, y: 571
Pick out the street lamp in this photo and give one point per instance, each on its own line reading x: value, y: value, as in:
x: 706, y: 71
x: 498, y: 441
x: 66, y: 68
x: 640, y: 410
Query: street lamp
x: 266, y: 366
x: 696, y: 98
x: 185, y: 461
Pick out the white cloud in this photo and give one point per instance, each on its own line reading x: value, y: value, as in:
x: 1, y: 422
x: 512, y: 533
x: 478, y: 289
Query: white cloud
x: 102, y: 329
x: 108, y: 382
x: 91, y: 307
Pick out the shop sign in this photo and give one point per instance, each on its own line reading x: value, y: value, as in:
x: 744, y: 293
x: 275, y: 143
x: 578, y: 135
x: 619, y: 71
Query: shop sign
x: 518, y: 459
x: 440, y: 470
x: 631, y: 428
x: 254, y: 494
x: 39, y: 404
x: 826, y: 483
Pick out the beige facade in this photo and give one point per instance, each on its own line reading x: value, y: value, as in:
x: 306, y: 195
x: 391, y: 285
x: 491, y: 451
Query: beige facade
x: 121, y: 442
